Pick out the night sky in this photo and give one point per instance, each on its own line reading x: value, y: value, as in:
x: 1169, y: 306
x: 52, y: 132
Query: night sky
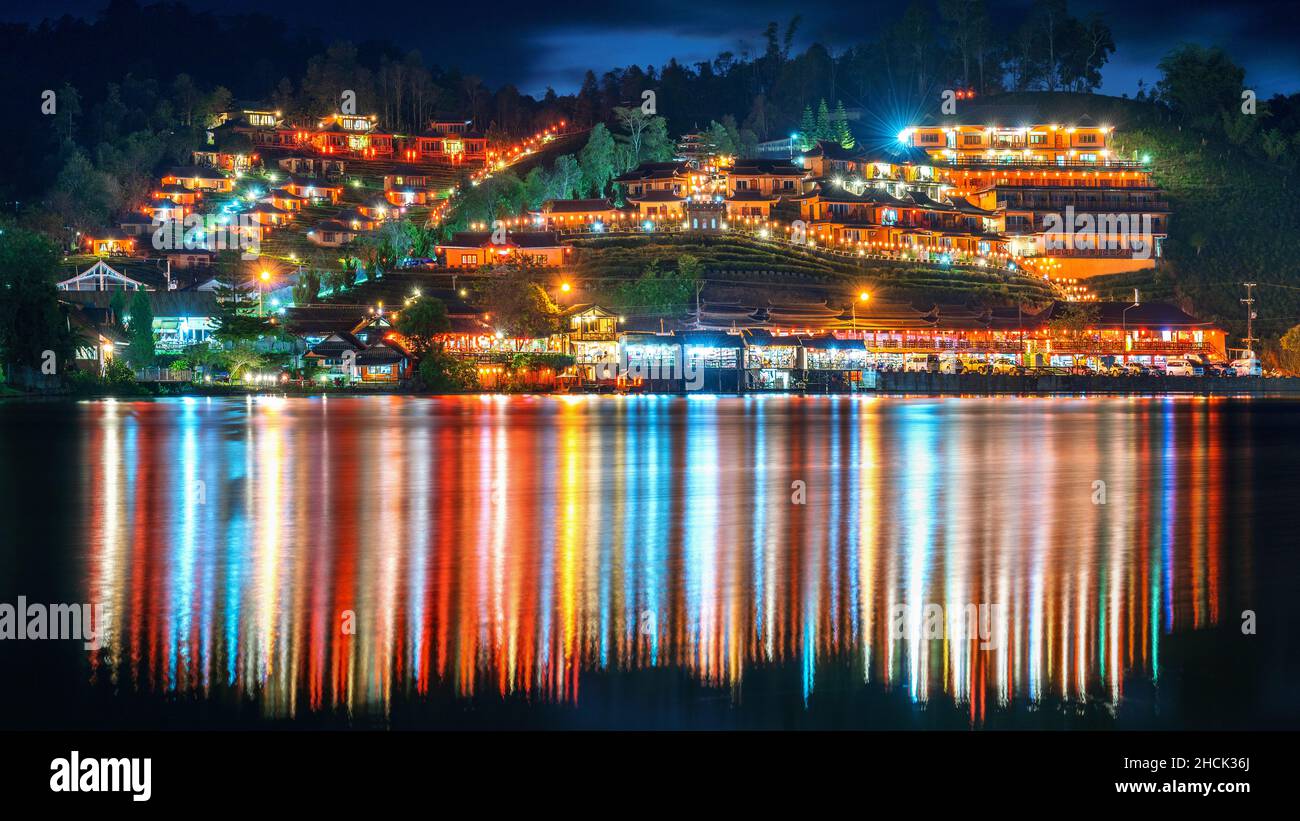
x: 539, y: 44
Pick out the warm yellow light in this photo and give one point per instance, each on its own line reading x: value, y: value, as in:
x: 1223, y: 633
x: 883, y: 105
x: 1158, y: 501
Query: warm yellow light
x: 266, y: 276
x: 864, y: 296
x: 564, y: 287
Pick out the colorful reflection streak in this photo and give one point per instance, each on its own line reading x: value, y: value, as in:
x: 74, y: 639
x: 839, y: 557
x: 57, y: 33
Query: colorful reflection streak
x: 335, y: 554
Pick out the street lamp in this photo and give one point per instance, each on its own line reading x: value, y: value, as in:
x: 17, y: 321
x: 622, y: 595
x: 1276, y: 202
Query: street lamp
x: 1123, y: 322
x: 261, y: 286
x: 863, y: 296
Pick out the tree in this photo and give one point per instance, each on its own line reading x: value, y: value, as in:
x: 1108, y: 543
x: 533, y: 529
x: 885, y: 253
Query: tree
x: 656, y: 145
x: 647, y: 135
x: 30, y: 320
x: 241, y: 359
x: 842, y: 133
x: 1274, y: 143
x: 1050, y: 18
x: 1290, y: 345
x: 824, y: 129
x: 232, y: 290
x: 597, y: 160
x: 1074, y: 319
x: 518, y: 305
x: 307, y: 287
x: 565, y: 179
x: 663, y: 291
x: 807, y: 128
x: 140, y: 351
x: 422, y: 321
x: 960, y: 22
x: 440, y: 372
x: 1199, y: 82
x: 634, y: 121
x: 722, y: 142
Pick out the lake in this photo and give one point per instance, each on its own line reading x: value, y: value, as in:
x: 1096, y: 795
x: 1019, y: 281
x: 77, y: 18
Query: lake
x: 656, y: 562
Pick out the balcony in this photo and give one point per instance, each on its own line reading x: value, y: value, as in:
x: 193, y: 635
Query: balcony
x: 975, y: 161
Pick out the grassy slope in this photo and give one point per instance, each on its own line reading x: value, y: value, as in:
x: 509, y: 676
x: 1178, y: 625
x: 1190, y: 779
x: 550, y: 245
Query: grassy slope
x: 733, y: 260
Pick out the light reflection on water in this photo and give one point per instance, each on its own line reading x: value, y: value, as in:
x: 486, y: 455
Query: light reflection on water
x: 516, y: 545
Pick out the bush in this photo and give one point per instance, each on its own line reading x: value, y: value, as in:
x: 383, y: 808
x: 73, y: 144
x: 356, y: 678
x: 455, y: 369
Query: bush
x: 440, y: 372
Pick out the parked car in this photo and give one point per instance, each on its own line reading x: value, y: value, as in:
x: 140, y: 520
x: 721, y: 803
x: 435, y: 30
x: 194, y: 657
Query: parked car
x: 1219, y: 369
x: 1247, y: 367
x: 1005, y: 368
x: 1183, y: 367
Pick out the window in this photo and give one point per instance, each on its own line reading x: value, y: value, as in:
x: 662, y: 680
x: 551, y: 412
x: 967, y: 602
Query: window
x: 1037, y: 139
x: 931, y: 138
x: 469, y: 259
x: 970, y: 139
x: 1087, y: 139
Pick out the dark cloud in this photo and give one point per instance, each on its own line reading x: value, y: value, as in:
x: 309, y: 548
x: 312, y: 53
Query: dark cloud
x: 535, y: 45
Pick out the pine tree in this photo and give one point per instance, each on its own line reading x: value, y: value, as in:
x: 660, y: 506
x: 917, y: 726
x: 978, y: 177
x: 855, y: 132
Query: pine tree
x: 141, y: 350
x: 842, y: 132
x: 807, y: 128
x: 824, y: 131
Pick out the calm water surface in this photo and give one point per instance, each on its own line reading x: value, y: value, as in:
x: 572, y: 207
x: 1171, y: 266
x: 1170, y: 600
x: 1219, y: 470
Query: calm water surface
x: 655, y: 562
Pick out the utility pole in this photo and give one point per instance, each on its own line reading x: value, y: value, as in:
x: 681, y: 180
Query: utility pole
x: 1249, y: 302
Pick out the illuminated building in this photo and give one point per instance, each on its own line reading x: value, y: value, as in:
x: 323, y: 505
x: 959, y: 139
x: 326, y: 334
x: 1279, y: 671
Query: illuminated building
x: 591, y: 337
x: 198, y: 178
x: 658, y: 190
x: 586, y: 214
x: 108, y: 242
x: 471, y: 249
x: 314, y: 190
x: 408, y: 185
x: 753, y: 186
x: 1068, y: 195
x: 332, y: 233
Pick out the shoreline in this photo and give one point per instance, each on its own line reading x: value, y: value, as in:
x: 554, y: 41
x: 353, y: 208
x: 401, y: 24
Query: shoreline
x: 902, y: 385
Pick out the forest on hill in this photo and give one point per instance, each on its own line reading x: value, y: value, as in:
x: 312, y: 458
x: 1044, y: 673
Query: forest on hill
x: 1229, y: 163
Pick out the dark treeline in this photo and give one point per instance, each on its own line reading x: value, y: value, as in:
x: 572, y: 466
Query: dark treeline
x: 135, y: 86
x: 135, y: 89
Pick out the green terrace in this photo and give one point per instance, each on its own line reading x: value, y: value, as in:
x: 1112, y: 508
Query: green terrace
x: 737, y: 259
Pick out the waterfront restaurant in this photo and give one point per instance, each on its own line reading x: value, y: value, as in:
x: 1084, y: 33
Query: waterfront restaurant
x: 649, y: 362
x: 712, y: 360
x: 590, y: 336
x: 783, y: 341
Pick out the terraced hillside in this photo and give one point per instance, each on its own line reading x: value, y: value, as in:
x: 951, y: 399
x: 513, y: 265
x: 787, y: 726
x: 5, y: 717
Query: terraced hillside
x: 738, y: 261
